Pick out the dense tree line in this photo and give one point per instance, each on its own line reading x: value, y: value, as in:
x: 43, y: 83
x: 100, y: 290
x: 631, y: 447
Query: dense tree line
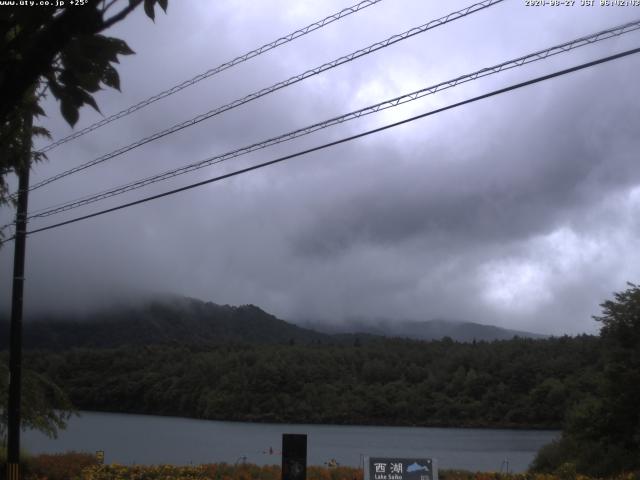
x: 516, y: 383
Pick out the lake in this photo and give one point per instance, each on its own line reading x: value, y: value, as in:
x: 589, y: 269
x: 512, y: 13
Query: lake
x: 146, y: 439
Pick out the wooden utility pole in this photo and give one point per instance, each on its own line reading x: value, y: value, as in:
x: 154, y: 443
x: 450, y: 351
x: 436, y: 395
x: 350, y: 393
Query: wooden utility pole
x: 15, y: 345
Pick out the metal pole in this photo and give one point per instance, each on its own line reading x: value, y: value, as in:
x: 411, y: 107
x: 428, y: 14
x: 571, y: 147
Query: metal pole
x: 15, y: 346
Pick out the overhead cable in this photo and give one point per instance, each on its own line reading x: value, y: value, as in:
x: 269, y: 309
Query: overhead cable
x: 523, y: 60
x: 209, y: 73
x: 343, y: 140
x: 285, y: 83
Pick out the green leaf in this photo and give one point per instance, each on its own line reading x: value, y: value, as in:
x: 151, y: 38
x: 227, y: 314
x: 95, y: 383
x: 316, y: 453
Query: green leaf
x: 95, y: 47
x: 88, y: 99
x: 98, y: 49
x: 40, y: 131
x: 121, y: 46
x: 111, y: 78
x: 75, y: 58
x: 148, y: 9
x: 55, y: 87
x: 163, y: 4
x: 38, y: 111
x: 69, y: 111
x: 91, y: 81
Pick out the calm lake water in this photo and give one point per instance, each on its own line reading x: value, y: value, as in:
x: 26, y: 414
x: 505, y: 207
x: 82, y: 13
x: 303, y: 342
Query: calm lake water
x: 145, y: 439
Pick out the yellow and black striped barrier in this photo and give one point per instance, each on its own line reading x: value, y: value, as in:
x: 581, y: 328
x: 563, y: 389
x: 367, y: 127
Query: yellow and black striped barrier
x: 13, y: 471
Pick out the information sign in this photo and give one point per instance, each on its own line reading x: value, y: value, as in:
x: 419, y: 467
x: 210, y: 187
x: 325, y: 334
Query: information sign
x: 379, y: 468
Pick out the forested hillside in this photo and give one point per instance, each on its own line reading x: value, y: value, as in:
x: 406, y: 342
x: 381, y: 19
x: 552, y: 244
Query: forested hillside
x: 163, y: 321
x: 515, y: 383
x: 425, y: 330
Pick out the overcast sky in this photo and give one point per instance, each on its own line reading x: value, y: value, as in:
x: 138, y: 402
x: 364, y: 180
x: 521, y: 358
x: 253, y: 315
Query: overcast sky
x: 520, y: 211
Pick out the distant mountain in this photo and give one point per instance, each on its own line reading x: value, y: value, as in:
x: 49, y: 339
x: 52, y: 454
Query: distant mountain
x: 181, y: 320
x: 427, y: 330
x: 169, y: 320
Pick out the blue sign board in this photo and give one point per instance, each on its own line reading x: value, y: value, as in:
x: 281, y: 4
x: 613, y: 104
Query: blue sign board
x: 378, y: 468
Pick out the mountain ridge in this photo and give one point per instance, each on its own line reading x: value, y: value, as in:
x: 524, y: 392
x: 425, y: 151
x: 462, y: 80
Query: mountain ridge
x: 185, y: 320
x: 435, y: 329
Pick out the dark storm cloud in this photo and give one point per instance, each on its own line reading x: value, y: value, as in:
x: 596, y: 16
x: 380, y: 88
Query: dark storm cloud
x: 519, y: 211
x: 544, y: 166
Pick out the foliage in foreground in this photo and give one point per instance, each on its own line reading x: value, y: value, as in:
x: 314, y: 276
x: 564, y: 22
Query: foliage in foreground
x: 62, y: 466
x: 57, y: 50
x: 45, y: 406
x: 602, y: 432
x: 82, y: 466
x: 221, y: 471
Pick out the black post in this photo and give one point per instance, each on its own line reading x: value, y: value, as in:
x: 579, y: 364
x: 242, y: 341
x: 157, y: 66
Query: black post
x: 15, y: 346
x: 294, y: 456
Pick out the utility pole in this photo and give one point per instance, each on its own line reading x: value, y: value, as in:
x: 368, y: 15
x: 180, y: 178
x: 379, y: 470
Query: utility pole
x: 15, y: 346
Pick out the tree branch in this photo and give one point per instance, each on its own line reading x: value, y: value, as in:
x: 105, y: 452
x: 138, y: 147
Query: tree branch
x: 46, y: 43
x: 108, y: 5
x: 122, y: 14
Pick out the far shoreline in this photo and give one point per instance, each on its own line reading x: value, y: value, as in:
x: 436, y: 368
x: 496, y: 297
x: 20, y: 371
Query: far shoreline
x: 330, y: 424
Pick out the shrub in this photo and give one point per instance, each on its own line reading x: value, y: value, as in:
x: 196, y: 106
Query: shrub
x: 551, y: 456
x: 61, y: 466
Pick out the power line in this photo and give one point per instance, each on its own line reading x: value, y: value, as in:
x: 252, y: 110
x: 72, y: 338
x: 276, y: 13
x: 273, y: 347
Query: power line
x: 209, y: 73
x: 346, y: 139
x: 265, y: 91
x: 523, y: 60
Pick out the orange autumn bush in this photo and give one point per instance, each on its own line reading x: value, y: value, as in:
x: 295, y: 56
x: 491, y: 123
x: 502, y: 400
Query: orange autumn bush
x: 83, y: 466
x: 61, y: 466
x: 219, y: 471
x: 253, y: 472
